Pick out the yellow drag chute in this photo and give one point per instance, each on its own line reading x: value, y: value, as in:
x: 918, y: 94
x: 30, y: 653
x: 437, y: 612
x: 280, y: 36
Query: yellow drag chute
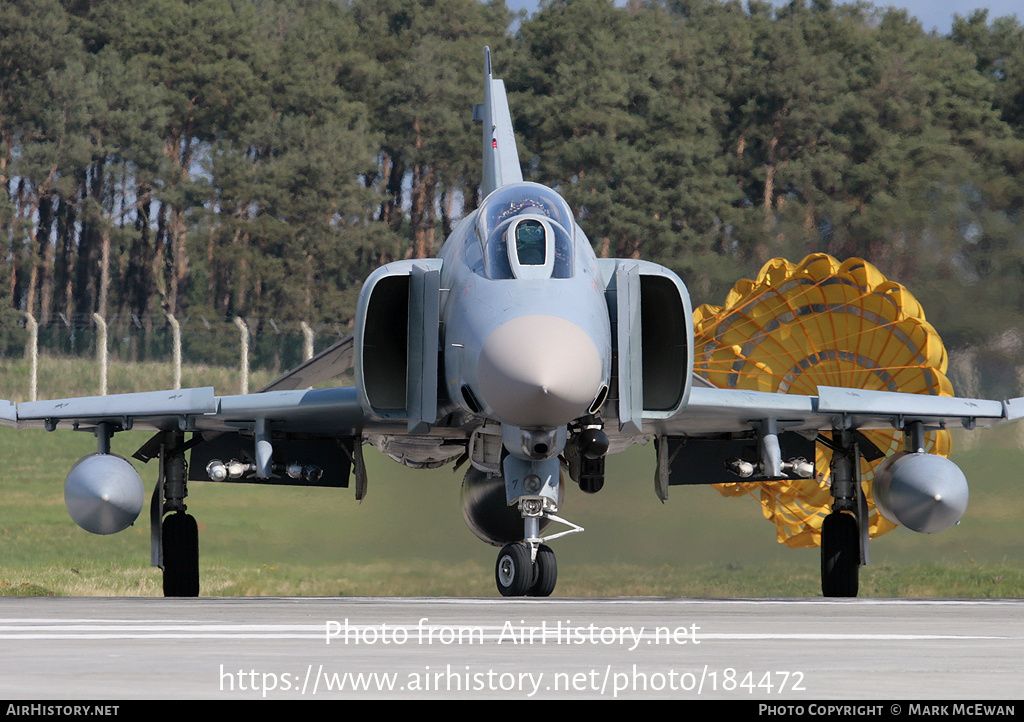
x: 820, y: 322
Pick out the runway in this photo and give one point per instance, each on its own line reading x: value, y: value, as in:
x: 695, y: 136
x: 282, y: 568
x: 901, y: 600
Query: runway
x: 289, y: 648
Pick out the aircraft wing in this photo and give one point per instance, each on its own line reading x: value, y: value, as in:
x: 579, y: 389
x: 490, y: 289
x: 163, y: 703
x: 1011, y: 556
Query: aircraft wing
x: 713, y: 411
x: 719, y: 426
x: 316, y: 412
x: 336, y: 411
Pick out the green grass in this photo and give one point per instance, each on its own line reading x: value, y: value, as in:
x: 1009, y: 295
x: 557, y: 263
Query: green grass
x: 408, y: 537
x: 60, y: 378
x: 473, y: 578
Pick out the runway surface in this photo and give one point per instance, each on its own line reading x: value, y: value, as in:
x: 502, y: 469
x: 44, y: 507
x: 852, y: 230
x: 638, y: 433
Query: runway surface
x: 108, y: 649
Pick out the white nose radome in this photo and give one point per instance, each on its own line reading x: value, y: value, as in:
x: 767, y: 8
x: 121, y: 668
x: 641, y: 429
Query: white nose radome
x: 539, y: 371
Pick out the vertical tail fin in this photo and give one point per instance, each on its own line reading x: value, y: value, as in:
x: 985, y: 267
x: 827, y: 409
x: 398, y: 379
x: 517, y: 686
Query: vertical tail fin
x: 501, y: 157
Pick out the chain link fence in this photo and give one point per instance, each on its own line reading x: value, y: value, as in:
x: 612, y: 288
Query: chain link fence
x: 245, y: 344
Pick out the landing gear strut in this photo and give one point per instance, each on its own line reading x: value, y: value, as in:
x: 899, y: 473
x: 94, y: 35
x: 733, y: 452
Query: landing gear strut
x: 843, y: 545
x: 176, y: 535
x: 528, y: 568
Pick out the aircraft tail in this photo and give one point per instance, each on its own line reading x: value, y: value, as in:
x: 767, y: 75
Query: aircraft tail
x: 501, y: 157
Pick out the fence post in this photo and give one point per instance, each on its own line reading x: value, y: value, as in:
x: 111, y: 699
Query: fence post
x: 101, y: 351
x: 176, y: 336
x: 244, y: 331
x: 963, y: 372
x: 33, y: 355
x: 307, y: 346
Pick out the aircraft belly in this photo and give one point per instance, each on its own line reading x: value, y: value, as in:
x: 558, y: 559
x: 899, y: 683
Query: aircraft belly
x: 417, y: 452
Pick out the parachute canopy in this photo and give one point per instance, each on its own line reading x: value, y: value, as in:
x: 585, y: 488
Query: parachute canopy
x: 820, y: 322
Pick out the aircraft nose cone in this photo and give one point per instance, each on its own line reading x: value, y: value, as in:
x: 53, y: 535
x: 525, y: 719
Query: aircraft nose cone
x: 539, y: 371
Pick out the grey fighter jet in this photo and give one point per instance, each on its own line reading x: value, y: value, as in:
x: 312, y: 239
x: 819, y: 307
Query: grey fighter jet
x: 520, y: 352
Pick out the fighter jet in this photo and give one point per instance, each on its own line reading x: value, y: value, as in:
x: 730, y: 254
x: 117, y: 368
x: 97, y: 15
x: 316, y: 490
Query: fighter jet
x: 521, y: 353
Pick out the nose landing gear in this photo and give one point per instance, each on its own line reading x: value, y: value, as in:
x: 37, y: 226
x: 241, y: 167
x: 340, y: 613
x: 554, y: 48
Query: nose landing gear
x: 528, y: 568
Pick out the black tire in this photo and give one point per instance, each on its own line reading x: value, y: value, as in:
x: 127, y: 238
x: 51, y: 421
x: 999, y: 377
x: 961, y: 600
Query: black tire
x: 181, y: 555
x: 545, y: 573
x: 513, y: 572
x: 840, y: 555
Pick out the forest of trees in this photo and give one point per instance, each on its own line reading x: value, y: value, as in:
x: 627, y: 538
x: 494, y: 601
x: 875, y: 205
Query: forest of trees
x: 258, y: 158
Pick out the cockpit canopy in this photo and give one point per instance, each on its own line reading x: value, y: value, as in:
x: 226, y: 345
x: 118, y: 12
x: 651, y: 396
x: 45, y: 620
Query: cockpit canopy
x: 526, y: 231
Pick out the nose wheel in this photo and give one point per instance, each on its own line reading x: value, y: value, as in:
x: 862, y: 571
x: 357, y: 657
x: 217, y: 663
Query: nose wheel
x: 517, y: 575
x: 545, y: 573
x: 514, y: 571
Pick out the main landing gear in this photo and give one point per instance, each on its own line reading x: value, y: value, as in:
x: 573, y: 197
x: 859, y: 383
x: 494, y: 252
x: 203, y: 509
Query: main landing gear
x: 843, y: 532
x: 175, y: 534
